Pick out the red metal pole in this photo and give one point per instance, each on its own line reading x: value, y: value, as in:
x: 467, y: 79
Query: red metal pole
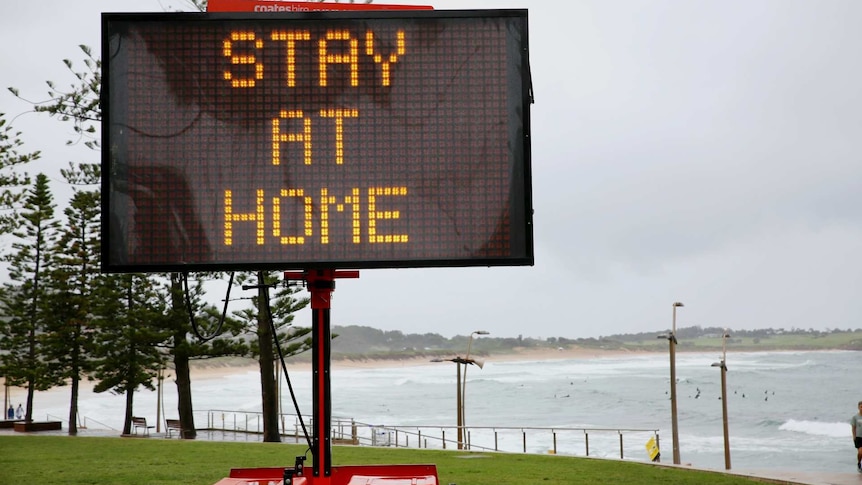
x: 322, y: 450
x: 321, y: 284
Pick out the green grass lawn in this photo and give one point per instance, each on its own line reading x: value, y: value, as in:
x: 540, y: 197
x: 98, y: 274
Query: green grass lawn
x: 155, y: 461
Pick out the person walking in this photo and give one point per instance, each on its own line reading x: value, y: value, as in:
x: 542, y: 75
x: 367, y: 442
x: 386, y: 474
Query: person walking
x: 10, y: 414
x: 856, y: 427
x: 19, y: 413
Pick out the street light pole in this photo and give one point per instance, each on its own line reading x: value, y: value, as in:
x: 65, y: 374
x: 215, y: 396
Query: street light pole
x: 674, y: 428
x: 723, y: 366
x: 159, y: 390
x: 464, y: 382
x: 458, y: 401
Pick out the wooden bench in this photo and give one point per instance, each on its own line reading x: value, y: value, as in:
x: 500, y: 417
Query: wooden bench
x: 141, y: 423
x: 172, y: 425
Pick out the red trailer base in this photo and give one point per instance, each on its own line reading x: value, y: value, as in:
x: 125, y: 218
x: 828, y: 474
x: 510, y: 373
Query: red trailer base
x: 341, y: 475
x: 321, y: 284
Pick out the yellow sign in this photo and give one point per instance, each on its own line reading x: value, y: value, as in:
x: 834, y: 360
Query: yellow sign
x: 652, y: 449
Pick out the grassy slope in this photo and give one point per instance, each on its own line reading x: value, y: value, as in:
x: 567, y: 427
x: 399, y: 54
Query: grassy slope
x: 156, y: 461
x: 791, y: 341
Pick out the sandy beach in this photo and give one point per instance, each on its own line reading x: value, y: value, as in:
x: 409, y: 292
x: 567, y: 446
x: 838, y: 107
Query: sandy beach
x: 216, y: 369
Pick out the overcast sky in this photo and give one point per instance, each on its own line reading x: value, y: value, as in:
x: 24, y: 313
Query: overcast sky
x: 705, y: 152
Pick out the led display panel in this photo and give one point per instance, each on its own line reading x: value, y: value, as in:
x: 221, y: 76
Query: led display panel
x: 298, y: 141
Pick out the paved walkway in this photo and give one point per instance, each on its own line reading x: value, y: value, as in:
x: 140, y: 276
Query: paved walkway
x: 810, y: 478
x: 797, y: 477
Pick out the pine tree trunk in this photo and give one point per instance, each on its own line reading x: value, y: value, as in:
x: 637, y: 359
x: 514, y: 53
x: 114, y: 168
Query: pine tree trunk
x: 73, y: 406
x: 181, y: 367
x: 127, y: 422
x: 184, y: 394
x: 267, y: 369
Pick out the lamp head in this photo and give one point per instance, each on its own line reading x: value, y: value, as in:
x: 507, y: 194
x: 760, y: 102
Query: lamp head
x: 678, y: 303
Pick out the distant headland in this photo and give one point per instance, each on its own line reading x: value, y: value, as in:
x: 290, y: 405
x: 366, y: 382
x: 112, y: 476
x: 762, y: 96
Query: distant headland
x: 354, y: 345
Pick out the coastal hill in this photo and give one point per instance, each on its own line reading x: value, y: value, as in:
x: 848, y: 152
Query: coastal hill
x: 360, y: 342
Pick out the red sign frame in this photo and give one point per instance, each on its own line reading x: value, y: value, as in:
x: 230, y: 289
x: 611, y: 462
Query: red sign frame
x: 299, y: 7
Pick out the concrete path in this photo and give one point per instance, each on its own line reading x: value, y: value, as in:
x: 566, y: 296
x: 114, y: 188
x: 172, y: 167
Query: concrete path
x: 789, y: 477
x: 807, y: 478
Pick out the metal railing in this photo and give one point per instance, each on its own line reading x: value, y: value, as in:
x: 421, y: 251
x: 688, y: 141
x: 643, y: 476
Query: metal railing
x: 290, y: 425
x: 514, y: 439
x: 574, y: 441
x: 605, y: 442
x: 84, y: 422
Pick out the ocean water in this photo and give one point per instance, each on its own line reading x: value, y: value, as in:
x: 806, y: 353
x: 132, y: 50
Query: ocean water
x: 786, y: 410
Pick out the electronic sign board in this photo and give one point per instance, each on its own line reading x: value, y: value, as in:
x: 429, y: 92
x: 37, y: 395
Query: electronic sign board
x: 378, y: 139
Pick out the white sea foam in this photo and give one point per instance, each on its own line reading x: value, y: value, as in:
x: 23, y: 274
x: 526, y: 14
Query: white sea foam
x: 837, y: 430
